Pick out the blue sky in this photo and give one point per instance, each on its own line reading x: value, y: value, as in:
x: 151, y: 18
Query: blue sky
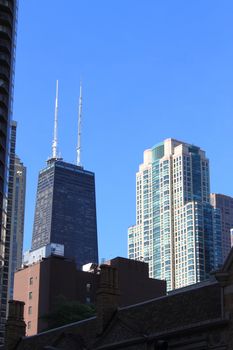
x: 151, y: 69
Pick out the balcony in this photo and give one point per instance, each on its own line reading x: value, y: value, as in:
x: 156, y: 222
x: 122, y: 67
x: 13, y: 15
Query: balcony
x: 5, y: 73
x: 3, y: 115
x: 5, y: 58
x: 5, y: 45
x: 4, y: 100
x: 8, y: 5
x: 6, y: 18
x: 4, y: 30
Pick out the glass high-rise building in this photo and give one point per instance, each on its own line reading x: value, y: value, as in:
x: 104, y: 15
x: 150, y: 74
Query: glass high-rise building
x: 8, y: 11
x: 66, y: 211
x: 177, y: 231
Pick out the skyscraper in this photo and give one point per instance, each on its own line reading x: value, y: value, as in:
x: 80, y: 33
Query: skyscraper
x: 66, y: 211
x: 177, y: 231
x: 8, y: 10
x: 225, y: 205
x: 17, y: 221
x: 66, y: 206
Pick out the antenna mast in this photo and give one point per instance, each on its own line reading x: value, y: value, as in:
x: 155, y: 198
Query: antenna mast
x: 79, y: 126
x: 54, y: 144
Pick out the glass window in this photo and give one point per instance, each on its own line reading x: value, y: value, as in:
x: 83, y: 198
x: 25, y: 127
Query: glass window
x: 88, y: 287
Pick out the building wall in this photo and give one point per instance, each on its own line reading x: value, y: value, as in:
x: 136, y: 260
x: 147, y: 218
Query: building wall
x: 134, y: 283
x: 27, y: 289
x: 8, y: 12
x: 10, y: 199
x: 225, y: 205
x: 17, y: 221
x: 55, y: 277
x: 66, y: 211
x: 177, y: 231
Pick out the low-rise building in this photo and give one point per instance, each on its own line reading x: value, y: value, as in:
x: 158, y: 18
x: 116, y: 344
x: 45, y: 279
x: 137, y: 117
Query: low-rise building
x: 40, y: 284
x: 196, y: 317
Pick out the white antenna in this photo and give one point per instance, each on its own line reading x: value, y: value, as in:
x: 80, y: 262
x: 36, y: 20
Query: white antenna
x: 80, y: 105
x: 54, y: 144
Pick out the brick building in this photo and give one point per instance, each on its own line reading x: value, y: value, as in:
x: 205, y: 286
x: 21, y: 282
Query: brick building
x: 39, y: 285
x: 194, y: 317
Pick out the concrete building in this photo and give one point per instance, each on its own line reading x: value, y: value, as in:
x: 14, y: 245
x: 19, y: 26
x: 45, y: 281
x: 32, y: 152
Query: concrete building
x: 177, y: 231
x: 39, y: 285
x: 8, y: 10
x: 33, y: 256
x: 225, y: 205
x: 17, y: 221
x: 198, y: 317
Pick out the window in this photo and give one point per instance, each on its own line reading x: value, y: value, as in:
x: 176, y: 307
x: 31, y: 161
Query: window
x: 88, y: 285
x: 31, y: 281
x: 29, y: 310
x: 29, y: 324
x: 30, y: 295
x: 88, y: 300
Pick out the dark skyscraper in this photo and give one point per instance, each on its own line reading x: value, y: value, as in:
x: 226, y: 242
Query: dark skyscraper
x: 65, y: 205
x: 8, y: 11
x: 66, y: 211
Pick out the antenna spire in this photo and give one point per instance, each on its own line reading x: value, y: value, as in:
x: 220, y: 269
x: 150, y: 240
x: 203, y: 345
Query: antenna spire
x: 54, y: 144
x: 80, y: 105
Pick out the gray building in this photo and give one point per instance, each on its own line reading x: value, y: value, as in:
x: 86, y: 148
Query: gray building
x: 17, y: 221
x: 66, y: 211
x: 225, y: 205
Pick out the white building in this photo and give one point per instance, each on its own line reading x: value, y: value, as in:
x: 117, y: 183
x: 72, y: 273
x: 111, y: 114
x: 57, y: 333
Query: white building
x: 33, y: 256
x: 177, y: 231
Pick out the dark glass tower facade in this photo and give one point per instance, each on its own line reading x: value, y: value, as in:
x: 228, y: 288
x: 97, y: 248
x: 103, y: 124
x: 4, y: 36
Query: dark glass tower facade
x: 66, y: 211
x: 8, y: 12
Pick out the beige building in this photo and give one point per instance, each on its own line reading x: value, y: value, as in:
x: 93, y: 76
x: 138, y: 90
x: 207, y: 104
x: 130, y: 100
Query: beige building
x: 17, y: 222
x: 177, y: 231
x: 225, y: 205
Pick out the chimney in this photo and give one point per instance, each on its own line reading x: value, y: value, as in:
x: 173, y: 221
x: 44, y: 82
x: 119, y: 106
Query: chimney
x: 15, y: 325
x: 107, y: 296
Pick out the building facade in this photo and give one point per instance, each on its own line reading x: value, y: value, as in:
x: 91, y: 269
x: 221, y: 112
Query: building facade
x: 198, y: 317
x: 177, y: 231
x: 40, y: 284
x: 8, y: 10
x: 225, y: 205
x: 17, y: 221
x: 10, y: 202
x: 66, y: 211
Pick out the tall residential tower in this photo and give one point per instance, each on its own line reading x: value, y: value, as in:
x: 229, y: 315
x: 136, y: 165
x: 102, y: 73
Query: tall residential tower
x: 177, y: 231
x: 8, y: 11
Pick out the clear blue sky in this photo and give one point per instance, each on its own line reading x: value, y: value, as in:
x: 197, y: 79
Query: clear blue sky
x: 151, y: 69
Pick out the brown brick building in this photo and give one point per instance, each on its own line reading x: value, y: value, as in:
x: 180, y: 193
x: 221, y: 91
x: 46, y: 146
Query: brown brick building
x: 196, y: 317
x: 39, y: 284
